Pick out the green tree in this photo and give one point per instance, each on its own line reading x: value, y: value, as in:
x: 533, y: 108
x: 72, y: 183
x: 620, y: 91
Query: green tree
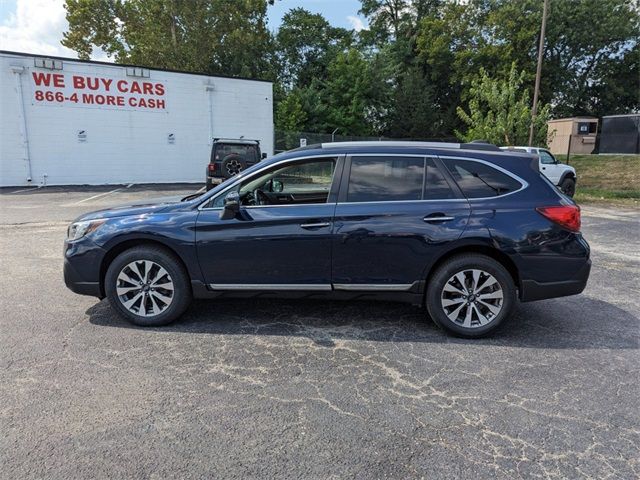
x: 290, y: 113
x: 413, y: 112
x: 211, y: 36
x: 500, y: 111
x: 585, y: 41
x: 349, y: 94
x: 306, y: 43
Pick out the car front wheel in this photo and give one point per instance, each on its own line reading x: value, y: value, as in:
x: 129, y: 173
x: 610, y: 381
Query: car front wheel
x: 470, y: 295
x: 148, y: 286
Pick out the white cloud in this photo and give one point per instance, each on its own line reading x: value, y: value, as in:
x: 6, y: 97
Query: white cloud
x: 356, y: 23
x: 37, y: 27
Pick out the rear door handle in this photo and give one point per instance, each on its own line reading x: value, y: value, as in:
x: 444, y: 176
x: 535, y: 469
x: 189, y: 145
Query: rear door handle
x: 315, y: 225
x: 437, y: 218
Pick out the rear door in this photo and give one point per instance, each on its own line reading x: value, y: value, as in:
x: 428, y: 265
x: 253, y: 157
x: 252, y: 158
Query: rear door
x: 395, y: 213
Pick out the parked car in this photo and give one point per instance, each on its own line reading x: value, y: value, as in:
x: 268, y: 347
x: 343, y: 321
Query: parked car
x: 561, y: 174
x: 465, y: 230
x: 229, y: 157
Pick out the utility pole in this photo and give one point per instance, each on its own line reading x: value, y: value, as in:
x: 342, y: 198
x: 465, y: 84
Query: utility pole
x: 536, y: 91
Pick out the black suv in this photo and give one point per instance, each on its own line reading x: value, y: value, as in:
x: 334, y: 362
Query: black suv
x: 231, y: 156
x: 465, y: 230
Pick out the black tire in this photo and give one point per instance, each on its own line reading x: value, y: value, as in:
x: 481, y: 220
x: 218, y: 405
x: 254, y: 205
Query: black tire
x: 181, y: 297
x: 568, y: 187
x: 236, y: 161
x: 460, y: 263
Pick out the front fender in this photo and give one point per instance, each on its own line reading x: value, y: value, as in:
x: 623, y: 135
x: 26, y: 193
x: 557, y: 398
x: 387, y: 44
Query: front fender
x: 174, y: 230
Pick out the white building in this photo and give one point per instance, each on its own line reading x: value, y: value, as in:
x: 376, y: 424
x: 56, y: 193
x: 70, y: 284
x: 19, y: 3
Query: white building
x: 73, y: 122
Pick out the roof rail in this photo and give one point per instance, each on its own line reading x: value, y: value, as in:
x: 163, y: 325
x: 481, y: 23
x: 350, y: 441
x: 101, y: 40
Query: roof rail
x: 408, y: 143
x: 391, y: 143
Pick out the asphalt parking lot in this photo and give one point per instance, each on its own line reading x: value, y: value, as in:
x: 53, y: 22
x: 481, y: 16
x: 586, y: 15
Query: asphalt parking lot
x: 292, y: 389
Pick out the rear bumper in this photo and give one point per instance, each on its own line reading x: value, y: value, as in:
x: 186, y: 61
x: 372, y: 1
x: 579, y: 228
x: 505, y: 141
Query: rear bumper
x: 532, y: 290
x: 212, y: 182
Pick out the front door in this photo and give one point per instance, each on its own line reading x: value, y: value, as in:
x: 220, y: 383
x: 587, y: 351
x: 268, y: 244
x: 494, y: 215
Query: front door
x: 395, y: 214
x: 281, y: 238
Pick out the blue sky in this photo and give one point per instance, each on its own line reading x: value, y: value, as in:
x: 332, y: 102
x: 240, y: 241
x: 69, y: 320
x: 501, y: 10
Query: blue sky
x: 337, y: 12
x: 36, y: 26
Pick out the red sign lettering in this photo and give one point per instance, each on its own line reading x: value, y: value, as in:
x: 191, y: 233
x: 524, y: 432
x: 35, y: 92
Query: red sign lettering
x: 95, y: 91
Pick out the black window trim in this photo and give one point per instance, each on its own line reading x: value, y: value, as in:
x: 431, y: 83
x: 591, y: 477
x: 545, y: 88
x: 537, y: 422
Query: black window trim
x: 346, y: 174
x: 524, y: 184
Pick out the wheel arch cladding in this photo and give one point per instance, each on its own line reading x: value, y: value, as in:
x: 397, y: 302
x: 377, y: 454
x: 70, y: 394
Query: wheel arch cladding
x: 490, y: 252
x: 125, y: 245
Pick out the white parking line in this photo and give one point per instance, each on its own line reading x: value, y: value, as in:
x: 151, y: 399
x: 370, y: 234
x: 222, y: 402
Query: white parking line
x: 100, y: 195
x: 97, y: 196
x: 31, y: 189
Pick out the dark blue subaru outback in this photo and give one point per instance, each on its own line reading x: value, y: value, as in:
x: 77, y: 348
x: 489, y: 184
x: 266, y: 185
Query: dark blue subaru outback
x: 464, y: 229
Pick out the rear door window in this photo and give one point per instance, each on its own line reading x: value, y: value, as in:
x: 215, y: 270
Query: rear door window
x: 386, y: 179
x: 479, y: 180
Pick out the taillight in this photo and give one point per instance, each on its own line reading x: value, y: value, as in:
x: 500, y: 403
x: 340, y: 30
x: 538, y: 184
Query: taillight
x: 212, y: 168
x: 567, y: 216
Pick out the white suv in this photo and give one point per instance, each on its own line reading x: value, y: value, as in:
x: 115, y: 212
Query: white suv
x: 562, y: 175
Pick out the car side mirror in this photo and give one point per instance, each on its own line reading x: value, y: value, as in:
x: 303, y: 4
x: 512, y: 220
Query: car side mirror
x: 263, y: 156
x: 231, y: 206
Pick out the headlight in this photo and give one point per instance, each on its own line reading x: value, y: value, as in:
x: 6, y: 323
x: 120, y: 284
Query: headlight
x: 78, y: 230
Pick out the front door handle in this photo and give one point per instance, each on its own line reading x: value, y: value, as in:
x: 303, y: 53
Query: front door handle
x: 437, y: 218
x: 315, y: 225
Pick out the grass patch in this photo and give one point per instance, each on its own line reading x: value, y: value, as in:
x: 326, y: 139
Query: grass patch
x: 606, y: 177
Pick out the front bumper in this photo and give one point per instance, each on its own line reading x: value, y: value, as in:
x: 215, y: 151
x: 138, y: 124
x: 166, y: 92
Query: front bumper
x: 532, y: 290
x: 74, y: 282
x: 82, y: 262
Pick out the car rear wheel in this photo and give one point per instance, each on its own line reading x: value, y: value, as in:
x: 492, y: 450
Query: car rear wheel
x: 568, y: 187
x: 148, y: 286
x: 470, y: 295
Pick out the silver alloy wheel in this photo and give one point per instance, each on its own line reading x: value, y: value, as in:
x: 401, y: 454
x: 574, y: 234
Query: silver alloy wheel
x: 145, y: 288
x: 233, y: 167
x: 472, y: 298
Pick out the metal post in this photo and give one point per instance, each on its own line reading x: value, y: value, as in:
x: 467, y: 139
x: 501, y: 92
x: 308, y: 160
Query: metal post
x: 26, y: 154
x: 536, y: 90
x: 569, y: 148
x: 333, y: 135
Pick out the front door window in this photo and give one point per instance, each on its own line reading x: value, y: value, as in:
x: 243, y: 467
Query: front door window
x: 306, y: 182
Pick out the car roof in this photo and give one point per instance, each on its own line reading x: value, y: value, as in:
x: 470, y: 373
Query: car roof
x: 514, y: 147
x: 393, y: 147
x: 471, y: 150
x: 236, y: 141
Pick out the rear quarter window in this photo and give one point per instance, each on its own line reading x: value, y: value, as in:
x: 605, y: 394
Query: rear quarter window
x: 479, y: 180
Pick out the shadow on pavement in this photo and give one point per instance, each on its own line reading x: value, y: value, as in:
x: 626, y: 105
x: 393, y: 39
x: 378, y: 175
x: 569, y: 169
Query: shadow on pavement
x: 570, y: 323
